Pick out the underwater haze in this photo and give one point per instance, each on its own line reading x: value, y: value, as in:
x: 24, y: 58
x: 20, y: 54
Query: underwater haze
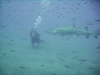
x: 73, y: 51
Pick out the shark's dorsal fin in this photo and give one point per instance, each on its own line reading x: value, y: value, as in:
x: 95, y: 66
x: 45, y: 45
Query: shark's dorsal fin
x: 86, y: 28
x: 72, y: 26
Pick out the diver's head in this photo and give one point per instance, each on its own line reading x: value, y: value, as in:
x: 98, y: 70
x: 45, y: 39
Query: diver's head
x: 33, y: 30
x: 33, y: 33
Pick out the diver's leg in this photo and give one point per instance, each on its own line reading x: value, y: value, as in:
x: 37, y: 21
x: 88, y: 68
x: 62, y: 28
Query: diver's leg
x: 32, y: 41
x: 38, y: 41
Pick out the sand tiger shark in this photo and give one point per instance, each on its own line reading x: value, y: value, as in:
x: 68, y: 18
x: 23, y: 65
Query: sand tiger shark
x: 73, y: 31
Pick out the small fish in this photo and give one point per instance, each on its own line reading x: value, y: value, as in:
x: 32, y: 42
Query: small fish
x: 82, y: 62
x: 73, y: 19
x: 67, y: 37
x: 9, y: 43
x: 62, y: 59
x: 98, y: 52
x: 95, y: 62
x: 24, y: 38
x: 82, y: 59
x: 46, y: 43
x: 97, y: 20
x: 6, y: 36
x: 22, y: 67
x: 53, y: 73
x: 42, y: 65
x: 92, y: 68
x: 67, y: 66
x: 97, y: 71
x: 98, y: 47
x: 58, y: 16
x: 2, y: 26
x: 73, y: 52
x: 75, y: 57
x: 11, y: 40
x: 12, y: 50
x: 4, y: 54
x: 90, y: 23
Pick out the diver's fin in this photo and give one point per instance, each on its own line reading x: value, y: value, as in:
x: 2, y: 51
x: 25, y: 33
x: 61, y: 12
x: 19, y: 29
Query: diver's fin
x: 86, y: 28
x: 42, y: 41
x: 87, y: 36
x: 96, y: 34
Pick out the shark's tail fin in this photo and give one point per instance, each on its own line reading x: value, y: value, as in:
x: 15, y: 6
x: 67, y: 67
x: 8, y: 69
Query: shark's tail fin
x: 96, y: 34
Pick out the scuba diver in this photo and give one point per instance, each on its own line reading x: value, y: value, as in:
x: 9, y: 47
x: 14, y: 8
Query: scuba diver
x: 35, y: 37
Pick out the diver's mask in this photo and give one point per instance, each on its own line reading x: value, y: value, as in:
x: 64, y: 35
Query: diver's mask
x: 33, y: 30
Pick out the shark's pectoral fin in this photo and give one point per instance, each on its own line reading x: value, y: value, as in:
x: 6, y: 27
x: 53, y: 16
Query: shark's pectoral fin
x: 96, y: 34
x: 62, y: 35
x: 87, y: 36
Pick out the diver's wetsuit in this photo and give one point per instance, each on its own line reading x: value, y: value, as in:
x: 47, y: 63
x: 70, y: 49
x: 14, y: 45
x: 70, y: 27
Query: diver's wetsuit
x: 35, y: 37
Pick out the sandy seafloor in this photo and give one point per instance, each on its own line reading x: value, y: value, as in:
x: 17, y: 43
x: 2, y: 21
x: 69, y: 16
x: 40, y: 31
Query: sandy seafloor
x: 56, y: 56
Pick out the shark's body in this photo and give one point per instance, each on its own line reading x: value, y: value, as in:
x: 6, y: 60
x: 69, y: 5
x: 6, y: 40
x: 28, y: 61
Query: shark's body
x: 72, y: 31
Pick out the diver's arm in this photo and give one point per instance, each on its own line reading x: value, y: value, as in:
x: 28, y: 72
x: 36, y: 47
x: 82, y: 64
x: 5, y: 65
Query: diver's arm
x: 31, y: 33
x: 38, y: 36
